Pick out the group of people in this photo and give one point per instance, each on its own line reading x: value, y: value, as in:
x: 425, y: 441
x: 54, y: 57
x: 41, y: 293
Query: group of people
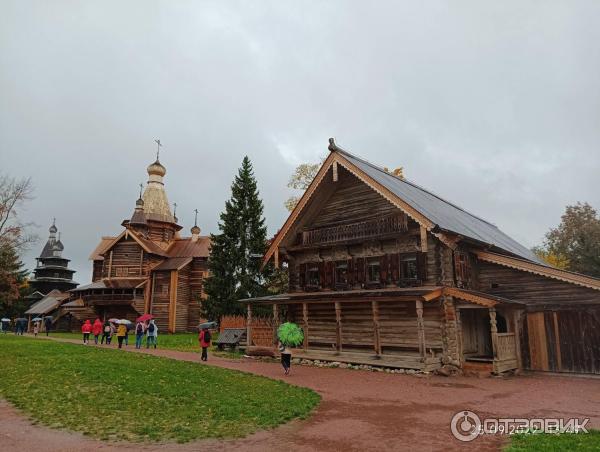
x: 104, y: 331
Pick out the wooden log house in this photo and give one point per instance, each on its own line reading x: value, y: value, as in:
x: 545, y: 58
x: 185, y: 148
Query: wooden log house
x: 384, y: 272
x: 148, y: 268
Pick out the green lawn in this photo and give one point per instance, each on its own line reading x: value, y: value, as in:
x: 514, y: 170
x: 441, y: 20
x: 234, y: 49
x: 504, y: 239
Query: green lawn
x: 184, y: 342
x: 109, y: 394
x: 555, y: 443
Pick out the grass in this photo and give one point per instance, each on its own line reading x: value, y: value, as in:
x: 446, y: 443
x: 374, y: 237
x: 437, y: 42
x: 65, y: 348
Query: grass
x: 108, y: 394
x: 183, y: 342
x: 555, y: 443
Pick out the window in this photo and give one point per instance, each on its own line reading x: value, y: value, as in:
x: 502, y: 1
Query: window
x: 373, y: 270
x: 312, y: 275
x: 408, y: 267
x: 341, y: 273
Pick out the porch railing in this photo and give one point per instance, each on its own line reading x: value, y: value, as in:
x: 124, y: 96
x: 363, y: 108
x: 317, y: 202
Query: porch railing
x: 506, y: 346
x: 385, y: 225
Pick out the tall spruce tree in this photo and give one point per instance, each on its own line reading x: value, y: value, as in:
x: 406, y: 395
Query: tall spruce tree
x: 235, y: 256
x: 13, y: 283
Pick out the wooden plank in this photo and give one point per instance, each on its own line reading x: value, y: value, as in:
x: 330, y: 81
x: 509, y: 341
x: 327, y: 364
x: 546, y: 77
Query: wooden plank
x: 110, y: 264
x: 420, y: 328
x: 249, y: 325
x: 423, y: 239
x: 557, y: 342
x: 335, y: 171
x: 173, y: 300
x: 376, y: 330
x: 494, y: 333
x: 275, y: 322
x: 305, y: 321
x: 537, y: 341
x: 338, y: 326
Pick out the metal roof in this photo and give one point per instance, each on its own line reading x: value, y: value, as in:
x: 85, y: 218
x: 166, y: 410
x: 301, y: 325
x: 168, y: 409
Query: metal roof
x: 187, y: 247
x: 446, y: 216
x: 113, y: 283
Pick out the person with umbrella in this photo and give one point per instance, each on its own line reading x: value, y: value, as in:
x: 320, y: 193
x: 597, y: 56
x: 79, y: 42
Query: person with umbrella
x: 97, y: 329
x: 204, y: 339
x: 36, y: 328
x: 289, y: 335
x: 151, y: 334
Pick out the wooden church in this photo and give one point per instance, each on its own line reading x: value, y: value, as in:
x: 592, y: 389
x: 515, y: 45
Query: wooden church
x: 385, y: 272
x: 148, y: 268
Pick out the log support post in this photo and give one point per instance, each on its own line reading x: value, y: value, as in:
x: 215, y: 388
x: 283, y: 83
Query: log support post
x: 305, y: 324
x: 421, y: 329
x: 376, y: 329
x: 423, y: 239
x: 517, y: 331
x: 110, y: 264
x: 275, y: 322
x: 173, y: 301
x: 249, y: 326
x: 494, y: 332
x: 338, y: 326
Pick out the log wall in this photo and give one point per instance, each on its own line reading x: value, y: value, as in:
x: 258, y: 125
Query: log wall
x: 160, y: 299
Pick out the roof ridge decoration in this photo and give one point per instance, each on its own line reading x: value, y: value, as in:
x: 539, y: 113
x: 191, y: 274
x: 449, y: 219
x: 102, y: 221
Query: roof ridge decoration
x: 538, y: 269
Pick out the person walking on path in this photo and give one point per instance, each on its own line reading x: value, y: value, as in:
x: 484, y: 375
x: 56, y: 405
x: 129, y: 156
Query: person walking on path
x: 286, y: 358
x: 36, y: 329
x: 48, y: 325
x: 86, y: 329
x: 128, y: 326
x: 105, y: 333
x: 97, y: 329
x: 121, y: 333
x: 204, y: 338
x: 151, y: 334
x: 140, y: 329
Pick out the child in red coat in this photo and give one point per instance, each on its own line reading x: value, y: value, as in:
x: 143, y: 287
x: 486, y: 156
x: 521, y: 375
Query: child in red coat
x: 97, y: 329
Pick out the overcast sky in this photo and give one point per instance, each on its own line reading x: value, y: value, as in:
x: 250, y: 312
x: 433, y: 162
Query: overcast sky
x: 493, y: 105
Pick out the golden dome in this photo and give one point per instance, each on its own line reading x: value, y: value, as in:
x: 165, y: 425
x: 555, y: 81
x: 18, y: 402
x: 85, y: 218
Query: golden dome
x: 156, y: 169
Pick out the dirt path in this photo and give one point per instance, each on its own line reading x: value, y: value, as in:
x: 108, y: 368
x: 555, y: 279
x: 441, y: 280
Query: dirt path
x: 360, y: 411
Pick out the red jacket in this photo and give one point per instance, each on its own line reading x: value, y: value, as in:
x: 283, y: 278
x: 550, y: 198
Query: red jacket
x: 203, y: 343
x: 86, y: 327
x: 97, y: 328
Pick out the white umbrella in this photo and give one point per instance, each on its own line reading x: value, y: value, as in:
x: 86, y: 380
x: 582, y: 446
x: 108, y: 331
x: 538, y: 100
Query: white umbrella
x: 5, y: 320
x: 37, y: 319
x: 125, y: 322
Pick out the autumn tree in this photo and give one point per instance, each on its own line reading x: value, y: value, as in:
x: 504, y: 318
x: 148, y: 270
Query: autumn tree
x: 14, y: 238
x: 575, y: 243
x: 300, y: 180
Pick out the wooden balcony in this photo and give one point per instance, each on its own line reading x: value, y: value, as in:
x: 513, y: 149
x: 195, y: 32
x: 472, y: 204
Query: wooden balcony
x: 354, y: 231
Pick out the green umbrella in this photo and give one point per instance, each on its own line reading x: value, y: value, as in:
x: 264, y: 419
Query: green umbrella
x: 290, y: 334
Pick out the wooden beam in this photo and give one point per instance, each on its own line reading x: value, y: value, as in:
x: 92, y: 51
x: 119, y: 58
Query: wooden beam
x: 423, y: 239
x: 305, y: 321
x: 557, y: 342
x: 335, y: 171
x: 494, y: 332
x: 517, y: 330
x: 338, y: 326
x: 276, y: 257
x: 141, y: 261
x: 376, y: 328
x: 110, y: 264
x: 249, y: 326
x: 275, y: 323
x: 420, y: 328
x: 147, y: 292
x: 173, y: 301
